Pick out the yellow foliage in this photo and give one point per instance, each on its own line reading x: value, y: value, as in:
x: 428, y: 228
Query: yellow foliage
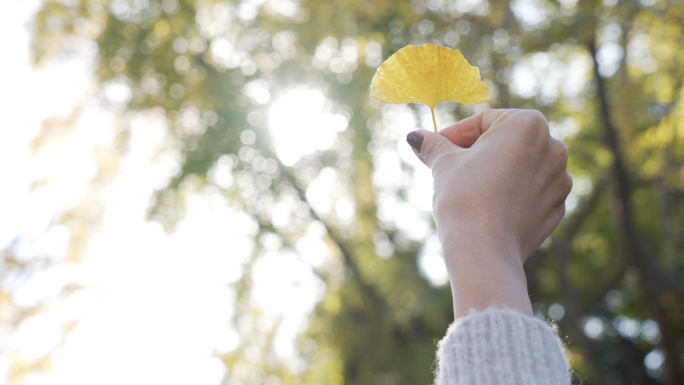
x: 575, y: 359
x: 162, y: 28
x: 652, y: 167
x: 603, y: 157
x: 650, y: 145
x: 332, y: 304
x: 592, y: 244
x: 428, y: 74
x: 657, y: 136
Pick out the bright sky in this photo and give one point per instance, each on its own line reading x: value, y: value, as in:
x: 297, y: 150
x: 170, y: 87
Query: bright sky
x: 157, y: 306
x: 155, y: 310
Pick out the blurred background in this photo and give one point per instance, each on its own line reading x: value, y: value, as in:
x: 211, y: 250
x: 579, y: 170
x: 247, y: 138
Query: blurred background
x: 202, y: 191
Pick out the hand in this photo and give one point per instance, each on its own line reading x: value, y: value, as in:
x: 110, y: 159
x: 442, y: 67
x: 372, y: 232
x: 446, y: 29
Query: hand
x: 500, y: 184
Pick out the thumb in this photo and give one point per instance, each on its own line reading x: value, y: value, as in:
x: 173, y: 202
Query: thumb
x: 429, y: 146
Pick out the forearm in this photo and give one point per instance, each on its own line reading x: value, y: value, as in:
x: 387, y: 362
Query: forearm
x: 484, y: 273
x: 488, y: 285
x: 495, y: 337
x: 500, y: 183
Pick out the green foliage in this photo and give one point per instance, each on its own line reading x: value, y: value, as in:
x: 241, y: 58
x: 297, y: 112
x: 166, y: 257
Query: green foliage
x: 203, y: 62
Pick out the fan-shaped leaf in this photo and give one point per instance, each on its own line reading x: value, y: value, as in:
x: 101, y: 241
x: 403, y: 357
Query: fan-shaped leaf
x: 428, y: 74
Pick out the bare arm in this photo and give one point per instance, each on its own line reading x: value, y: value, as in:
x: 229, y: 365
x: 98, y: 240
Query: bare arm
x: 500, y: 184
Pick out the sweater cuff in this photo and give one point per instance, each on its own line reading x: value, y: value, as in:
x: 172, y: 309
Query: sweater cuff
x: 501, y: 346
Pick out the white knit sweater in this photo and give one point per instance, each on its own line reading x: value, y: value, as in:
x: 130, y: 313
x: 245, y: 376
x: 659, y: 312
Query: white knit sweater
x: 501, y: 347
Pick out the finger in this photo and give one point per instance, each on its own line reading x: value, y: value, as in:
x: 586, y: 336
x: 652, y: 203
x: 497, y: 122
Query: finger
x: 466, y: 132
x: 429, y: 146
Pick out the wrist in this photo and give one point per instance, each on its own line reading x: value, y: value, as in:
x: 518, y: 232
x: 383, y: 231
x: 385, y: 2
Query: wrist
x: 463, y: 238
x: 485, y: 273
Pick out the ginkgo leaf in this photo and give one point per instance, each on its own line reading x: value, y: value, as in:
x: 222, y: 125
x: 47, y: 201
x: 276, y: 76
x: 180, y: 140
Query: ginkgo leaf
x: 428, y: 74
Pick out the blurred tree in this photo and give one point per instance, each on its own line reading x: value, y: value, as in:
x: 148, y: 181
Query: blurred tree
x: 608, y: 76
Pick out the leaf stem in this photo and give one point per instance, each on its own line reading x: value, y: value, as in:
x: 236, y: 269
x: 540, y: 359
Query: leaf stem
x: 434, y: 121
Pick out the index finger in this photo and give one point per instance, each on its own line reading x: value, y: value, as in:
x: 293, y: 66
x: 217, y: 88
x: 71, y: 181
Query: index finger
x: 466, y: 132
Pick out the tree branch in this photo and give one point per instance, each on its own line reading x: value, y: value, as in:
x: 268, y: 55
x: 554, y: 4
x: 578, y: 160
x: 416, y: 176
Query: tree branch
x: 573, y: 314
x: 344, y: 251
x: 599, y: 297
x: 574, y: 222
x: 653, y: 277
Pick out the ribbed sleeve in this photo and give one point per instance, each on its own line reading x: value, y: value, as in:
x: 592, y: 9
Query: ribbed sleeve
x: 501, y: 347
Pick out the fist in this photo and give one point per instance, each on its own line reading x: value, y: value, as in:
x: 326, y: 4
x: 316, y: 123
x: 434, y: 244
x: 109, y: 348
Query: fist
x: 500, y: 181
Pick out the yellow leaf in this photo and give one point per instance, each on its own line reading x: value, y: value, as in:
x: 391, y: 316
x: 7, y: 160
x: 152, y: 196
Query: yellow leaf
x: 162, y: 28
x: 428, y: 74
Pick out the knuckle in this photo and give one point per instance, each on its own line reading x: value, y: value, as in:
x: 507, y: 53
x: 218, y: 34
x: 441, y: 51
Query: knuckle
x: 560, y: 212
x: 534, y: 127
x: 537, y: 118
x: 564, y: 151
x: 560, y: 151
x: 567, y: 184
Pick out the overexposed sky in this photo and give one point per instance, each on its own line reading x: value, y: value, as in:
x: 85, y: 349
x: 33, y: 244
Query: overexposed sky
x: 156, y: 307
